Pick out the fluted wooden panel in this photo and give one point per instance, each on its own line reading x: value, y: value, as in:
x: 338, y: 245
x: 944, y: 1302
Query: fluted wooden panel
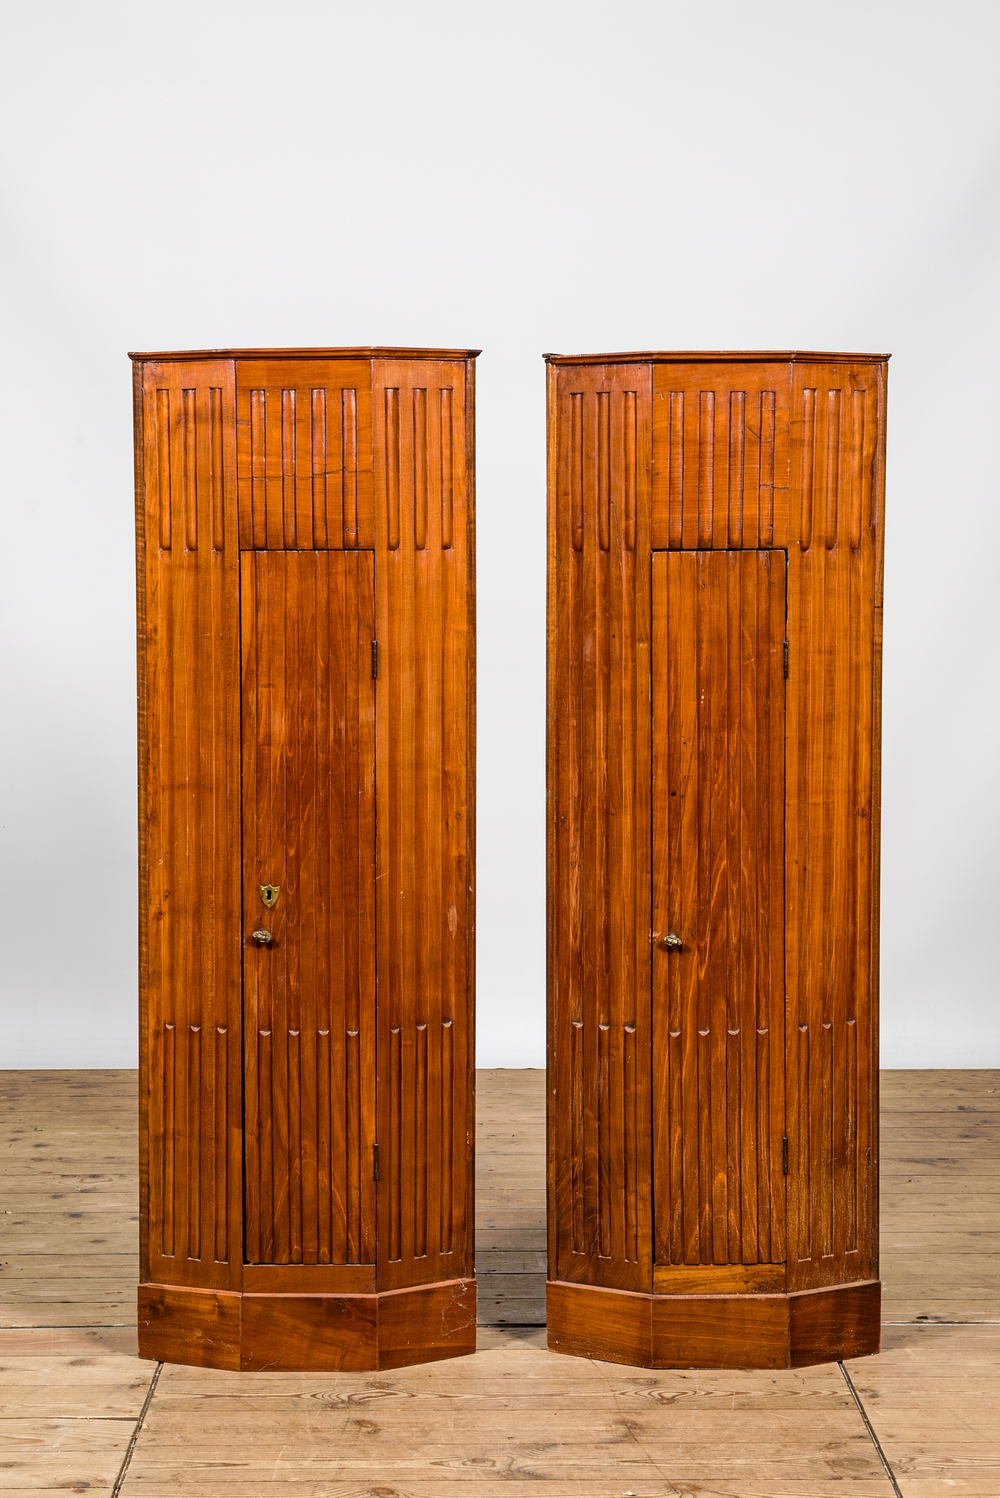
x: 832, y: 826
x: 598, y: 825
x: 189, y: 825
x: 308, y: 621
x: 720, y: 455
x: 423, y: 512
x: 305, y: 456
x: 718, y: 847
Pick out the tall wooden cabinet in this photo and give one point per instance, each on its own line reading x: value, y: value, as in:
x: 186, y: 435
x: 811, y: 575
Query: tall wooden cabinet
x: 306, y: 669
x: 715, y: 587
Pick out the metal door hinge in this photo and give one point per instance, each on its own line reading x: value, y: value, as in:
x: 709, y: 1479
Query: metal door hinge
x: 375, y: 660
x: 784, y: 658
x: 375, y: 1162
x: 784, y: 1154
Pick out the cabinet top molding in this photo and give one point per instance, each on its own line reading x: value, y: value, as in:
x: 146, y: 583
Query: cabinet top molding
x: 717, y: 356
x: 312, y: 353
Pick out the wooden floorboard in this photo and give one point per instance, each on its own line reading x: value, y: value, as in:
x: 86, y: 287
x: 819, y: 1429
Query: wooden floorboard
x: 72, y: 1390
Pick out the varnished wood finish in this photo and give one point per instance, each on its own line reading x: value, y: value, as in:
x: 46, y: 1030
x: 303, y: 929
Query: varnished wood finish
x: 304, y: 453
x: 423, y: 516
x: 427, y: 1323
x: 327, y: 496
x: 200, y: 1327
x: 291, y: 1332
x: 599, y: 833
x: 694, y: 790
x: 720, y: 455
x: 283, y: 1333
x: 746, y: 1329
x: 190, y: 826
x: 832, y: 820
x: 839, y: 1322
x: 718, y: 1279
x: 718, y: 848
x: 309, y: 828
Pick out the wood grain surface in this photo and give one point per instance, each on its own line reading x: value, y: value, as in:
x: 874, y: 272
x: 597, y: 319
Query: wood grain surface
x: 304, y: 453
x: 599, y: 831
x: 741, y: 1097
x: 189, y: 825
x: 425, y: 751
x: 720, y: 455
x: 308, y: 706
x: 71, y: 1396
x: 718, y: 849
x: 833, y: 708
x: 319, y: 506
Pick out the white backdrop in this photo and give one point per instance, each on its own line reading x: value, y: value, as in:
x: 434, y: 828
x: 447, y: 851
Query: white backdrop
x: 526, y: 177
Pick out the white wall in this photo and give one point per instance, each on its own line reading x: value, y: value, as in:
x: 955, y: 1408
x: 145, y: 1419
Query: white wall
x: 523, y: 177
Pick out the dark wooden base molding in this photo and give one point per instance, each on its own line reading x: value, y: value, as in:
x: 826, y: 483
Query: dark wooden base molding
x: 307, y: 1333
x: 715, y: 1331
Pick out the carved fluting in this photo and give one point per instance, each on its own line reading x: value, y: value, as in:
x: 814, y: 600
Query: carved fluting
x: 190, y: 901
x: 718, y: 816
x: 185, y: 464
x: 720, y: 456
x: 391, y: 439
x: 309, y: 828
x: 423, y: 836
x: 831, y: 831
x: 598, y: 772
x: 602, y: 449
x: 304, y: 454
x: 419, y: 469
x: 428, y: 453
x: 836, y: 430
x: 447, y: 467
x: 421, y: 1210
x: 348, y: 467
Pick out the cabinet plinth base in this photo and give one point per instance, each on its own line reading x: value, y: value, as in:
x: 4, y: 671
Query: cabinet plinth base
x: 715, y: 1331
x: 307, y: 1333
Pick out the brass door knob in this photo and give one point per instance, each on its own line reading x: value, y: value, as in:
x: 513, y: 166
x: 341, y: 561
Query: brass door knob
x: 671, y: 942
x: 262, y: 937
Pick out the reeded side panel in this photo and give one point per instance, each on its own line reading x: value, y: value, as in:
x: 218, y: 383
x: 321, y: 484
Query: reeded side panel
x: 423, y: 516
x: 720, y: 455
x: 308, y: 621
x: 599, y: 825
x: 834, y: 605
x: 718, y: 849
x: 305, y: 455
x: 189, y: 827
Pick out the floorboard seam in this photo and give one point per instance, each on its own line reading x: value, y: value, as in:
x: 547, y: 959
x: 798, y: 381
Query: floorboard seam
x: 870, y: 1429
x: 87, y: 1326
x: 941, y: 1323
x: 135, y: 1434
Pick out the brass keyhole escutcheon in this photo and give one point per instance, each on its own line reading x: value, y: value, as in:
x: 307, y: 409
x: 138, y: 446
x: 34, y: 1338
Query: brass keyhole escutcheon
x: 269, y: 893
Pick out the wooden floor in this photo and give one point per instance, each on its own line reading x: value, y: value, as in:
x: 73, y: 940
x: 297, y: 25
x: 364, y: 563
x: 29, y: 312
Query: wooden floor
x: 80, y: 1413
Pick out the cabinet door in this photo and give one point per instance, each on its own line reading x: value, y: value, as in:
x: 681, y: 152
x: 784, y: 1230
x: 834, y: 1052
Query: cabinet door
x: 718, y: 845
x: 309, y: 834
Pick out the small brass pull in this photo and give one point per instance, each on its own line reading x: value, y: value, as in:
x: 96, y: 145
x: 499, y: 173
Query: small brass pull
x: 671, y: 942
x: 262, y: 937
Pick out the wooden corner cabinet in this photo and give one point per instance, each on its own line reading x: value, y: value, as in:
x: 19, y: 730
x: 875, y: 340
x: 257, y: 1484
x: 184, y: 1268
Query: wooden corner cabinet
x: 306, y: 729
x: 714, y: 631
